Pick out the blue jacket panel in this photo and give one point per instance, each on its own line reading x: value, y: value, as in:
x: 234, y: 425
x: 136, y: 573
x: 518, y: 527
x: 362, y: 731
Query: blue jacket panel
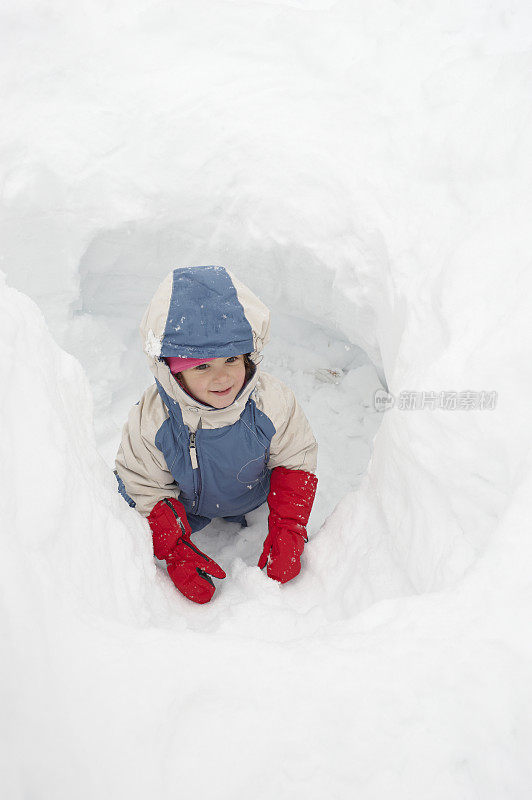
x: 232, y: 477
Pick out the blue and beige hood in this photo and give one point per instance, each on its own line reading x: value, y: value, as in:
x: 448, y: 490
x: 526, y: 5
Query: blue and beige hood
x: 201, y: 312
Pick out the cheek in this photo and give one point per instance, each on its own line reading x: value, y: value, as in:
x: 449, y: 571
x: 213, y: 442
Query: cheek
x: 242, y: 373
x: 202, y: 381
x: 193, y: 382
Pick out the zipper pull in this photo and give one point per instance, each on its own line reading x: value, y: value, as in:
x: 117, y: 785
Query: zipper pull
x: 192, y: 450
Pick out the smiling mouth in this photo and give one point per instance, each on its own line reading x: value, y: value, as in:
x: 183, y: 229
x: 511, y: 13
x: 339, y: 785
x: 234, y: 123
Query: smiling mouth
x: 223, y: 391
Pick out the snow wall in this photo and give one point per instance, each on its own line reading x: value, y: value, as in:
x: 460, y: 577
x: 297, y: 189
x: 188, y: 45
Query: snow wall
x: 365, y: 170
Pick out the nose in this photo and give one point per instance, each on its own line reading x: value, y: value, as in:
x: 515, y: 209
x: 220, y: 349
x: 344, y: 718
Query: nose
x: 221, y: 376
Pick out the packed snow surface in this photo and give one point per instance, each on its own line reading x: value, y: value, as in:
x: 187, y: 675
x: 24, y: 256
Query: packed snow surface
x: 366, y: 170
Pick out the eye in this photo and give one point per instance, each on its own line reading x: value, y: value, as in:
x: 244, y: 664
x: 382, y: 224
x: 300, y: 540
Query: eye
x: 201, y: 367
x: 231, y: 359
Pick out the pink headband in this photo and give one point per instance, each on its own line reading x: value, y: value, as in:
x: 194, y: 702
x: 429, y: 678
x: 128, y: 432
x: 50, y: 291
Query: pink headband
x: 177, y: 364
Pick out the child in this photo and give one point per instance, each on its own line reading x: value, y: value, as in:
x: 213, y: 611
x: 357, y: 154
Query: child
x: 214, y: 436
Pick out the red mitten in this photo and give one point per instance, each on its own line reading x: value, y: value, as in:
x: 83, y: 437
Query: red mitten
x: 290, y: 500
x: 188, y: 567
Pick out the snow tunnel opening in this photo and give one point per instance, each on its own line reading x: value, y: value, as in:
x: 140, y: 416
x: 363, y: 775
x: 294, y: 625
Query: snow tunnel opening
x: 360, y: 542
x: 311, y: 349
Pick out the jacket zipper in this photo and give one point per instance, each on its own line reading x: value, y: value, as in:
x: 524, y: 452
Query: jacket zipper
x: 192, y: 450
x: 195, y: 467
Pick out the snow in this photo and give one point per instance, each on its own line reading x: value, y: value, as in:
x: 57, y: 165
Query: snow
x: 365, y: 169
x: 153, y: 344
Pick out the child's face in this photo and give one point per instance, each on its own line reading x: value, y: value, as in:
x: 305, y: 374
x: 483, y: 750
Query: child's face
x: 216, y: 383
